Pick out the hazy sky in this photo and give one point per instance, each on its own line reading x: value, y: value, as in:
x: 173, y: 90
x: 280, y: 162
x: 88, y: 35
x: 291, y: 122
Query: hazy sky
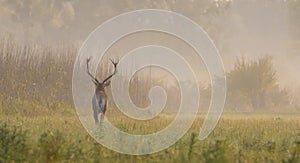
x: 247, y: 27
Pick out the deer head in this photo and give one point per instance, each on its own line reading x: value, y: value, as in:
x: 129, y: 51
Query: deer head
x: 106, y: 82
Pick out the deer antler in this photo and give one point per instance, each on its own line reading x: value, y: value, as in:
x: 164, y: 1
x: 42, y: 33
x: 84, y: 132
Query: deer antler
x: 94, y: 80
x: 115, y: 71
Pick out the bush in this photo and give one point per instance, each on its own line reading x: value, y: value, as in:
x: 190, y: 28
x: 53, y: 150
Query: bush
x: 216, y: 152
x: 13, y: 145
x: 51, y: 146
x: 254, y: 84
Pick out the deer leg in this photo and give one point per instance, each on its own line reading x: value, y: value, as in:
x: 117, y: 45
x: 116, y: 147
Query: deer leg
x: 101, y: 117
x: 96, y: 109
x: 96, y: 116
x: 103, y: 108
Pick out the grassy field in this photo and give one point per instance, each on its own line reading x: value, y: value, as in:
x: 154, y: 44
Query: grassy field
x: 39, y: 124
x: 60, y: 137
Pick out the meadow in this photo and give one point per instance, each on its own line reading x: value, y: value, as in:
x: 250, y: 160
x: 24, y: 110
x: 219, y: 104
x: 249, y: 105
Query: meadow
x: 38, y: 122
x: 60, y: 137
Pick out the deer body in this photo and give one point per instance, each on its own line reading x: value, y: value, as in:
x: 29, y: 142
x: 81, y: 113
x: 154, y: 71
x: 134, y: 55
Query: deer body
x: 99, y: 100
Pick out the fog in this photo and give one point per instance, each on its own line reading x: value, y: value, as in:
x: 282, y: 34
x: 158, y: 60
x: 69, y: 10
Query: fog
x: 250, y: 28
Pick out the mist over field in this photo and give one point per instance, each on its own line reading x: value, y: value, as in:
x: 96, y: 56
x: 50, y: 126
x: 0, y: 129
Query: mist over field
x: 259, y: 44
x: 251, y: 29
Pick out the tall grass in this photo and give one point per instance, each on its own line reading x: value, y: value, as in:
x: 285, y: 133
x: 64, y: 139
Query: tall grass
x: 36, y: 73
x: 63, y: 139
x: 43, y: 76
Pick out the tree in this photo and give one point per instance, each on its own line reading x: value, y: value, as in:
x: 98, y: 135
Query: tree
x: 254, y: 84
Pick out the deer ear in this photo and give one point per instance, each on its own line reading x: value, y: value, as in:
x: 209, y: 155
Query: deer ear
x: 107, y: 83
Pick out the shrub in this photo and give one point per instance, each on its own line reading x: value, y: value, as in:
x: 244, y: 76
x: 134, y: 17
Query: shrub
x: 13, y: 145
x: 51, y: 146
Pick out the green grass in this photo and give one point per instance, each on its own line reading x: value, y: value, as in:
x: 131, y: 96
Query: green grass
x: 237, y: 138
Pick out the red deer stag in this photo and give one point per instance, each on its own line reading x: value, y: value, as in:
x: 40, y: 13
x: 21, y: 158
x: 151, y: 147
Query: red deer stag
x: 100, y: 98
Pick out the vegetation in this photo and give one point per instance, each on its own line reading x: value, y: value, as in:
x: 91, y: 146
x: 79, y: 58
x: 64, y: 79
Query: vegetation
x: 38, y: 121
x: 237, y: 138
x: 41, y: 79
x: 254, y: 84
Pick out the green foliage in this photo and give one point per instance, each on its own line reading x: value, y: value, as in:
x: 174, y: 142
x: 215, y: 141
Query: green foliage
x: 191, y: 145
x: 295, y: 154
x: 96, y: 152
x: 51, y: 139
x: 216, y: 152
x: 51, y: 146
x: 74, y: 152
x: 13, y: 145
